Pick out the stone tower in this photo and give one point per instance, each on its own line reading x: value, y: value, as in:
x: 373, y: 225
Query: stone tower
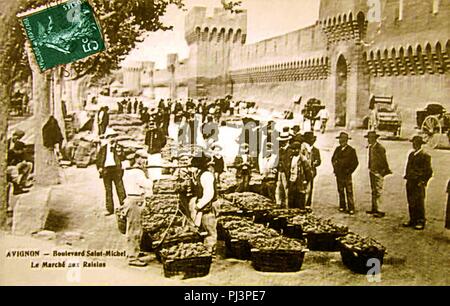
x: 146, y: 76
x: 132, y: 71
x: 210, y: 41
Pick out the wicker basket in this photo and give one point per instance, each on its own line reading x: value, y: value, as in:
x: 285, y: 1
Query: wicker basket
x: 236, y: 248
x: 157, y: 246
x: 326, y: 242
x: 187, y: 267
x: 357, y: 260
x: 277, y: 260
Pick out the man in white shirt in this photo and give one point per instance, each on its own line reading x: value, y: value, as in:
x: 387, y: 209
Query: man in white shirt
x: 323, y: 117
x: 138, y: 186
x: 202, y: 209
x: 110, y: 170
x: 268, y: 162
x: 297, y: 180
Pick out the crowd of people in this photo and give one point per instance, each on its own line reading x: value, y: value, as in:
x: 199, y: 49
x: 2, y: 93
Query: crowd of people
x: 287, y: 161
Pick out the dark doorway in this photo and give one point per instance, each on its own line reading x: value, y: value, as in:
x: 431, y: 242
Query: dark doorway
x: 341, y: 91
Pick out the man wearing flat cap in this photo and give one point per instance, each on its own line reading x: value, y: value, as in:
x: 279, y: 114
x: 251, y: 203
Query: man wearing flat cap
x: 418, y: 173
x: 345, y: 162
x: 109, y: 166
x: 378, y: 169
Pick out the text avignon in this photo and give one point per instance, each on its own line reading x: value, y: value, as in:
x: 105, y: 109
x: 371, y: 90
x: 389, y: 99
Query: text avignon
x: 24, y: 254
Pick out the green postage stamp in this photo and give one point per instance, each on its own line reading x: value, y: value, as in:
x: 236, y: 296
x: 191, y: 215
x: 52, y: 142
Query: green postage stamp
x: 63, y: 33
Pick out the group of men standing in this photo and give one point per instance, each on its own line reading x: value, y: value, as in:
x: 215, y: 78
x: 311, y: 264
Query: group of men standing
x: 418, y: 173
x: 287, y: 161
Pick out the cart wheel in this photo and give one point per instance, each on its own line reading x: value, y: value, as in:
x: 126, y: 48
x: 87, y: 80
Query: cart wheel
x: 431, y: 127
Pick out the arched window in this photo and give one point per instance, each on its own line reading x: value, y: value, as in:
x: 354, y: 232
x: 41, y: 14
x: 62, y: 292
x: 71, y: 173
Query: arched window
x: 213, y: 34
x: 230, y: 34
x: 439, y: 56
x: 237, y: 36
x: 420, y: 59
x: 205, y: 34
x: 430, y: 58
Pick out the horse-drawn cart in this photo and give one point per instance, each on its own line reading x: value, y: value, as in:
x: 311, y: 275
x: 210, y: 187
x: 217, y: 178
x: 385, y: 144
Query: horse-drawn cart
x: 434, y: 123
x: 384, y: 115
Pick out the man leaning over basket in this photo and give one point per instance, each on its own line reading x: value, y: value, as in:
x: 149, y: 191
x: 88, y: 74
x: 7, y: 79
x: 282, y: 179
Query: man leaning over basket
x: 138, y: 186
x: 202, y: 209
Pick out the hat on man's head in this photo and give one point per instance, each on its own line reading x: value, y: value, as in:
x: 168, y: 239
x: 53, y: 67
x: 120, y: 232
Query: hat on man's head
x: 417, y: 138
x: 343, y: 135
x: 371, y: 134
x: 110, y: 133
x: 216, y: 146
x: 285, y: 135
x: 19, y: 133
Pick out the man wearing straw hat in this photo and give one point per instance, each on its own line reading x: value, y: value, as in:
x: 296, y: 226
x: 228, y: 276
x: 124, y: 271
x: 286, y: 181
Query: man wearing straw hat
x: 378, y: 169
x: 137, y: 187
x: 345, y: 162
x: 418, y: 173
x: 110, y: 169
x: 281, y: 191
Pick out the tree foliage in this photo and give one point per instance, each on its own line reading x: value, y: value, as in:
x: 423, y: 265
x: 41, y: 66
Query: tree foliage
x: 123, y: 23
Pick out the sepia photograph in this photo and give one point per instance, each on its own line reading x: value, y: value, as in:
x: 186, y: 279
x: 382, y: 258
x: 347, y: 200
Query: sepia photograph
x: 225, y: 143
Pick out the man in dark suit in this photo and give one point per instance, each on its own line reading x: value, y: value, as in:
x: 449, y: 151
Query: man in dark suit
x: 345, y: 162
x: 314, y: 160
x: 103, y: 120
x: 378, y: 169
x: 244, y: 164
x: 418, y: 173
x: 299, y: 180
x: 110, y: 169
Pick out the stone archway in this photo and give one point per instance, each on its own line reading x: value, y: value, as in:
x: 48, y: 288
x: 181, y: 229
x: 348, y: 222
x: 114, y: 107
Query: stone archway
x: 341, y: 92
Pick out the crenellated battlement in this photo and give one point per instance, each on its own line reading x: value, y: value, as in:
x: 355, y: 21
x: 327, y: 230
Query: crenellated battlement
x: 221, y: 27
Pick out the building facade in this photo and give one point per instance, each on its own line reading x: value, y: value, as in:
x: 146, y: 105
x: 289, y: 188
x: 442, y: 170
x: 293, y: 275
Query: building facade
x: 357, y: 48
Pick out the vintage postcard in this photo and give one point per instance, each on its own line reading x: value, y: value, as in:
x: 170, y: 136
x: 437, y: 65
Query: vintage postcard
x: 225, y: 143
